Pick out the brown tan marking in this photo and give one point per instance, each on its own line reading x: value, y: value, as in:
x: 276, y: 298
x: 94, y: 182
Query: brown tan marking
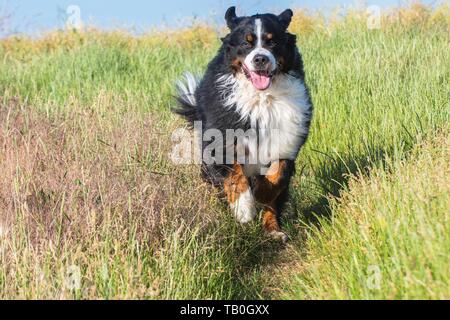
x: 269, y: 218
x: 235, y: 184
x: 236, y: 64
x: 276, y: 171
x: 268, y: 187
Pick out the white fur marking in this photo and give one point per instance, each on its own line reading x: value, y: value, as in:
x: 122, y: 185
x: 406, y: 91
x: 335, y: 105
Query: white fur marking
x: 186, y: 88
x: 262, y: 51
x: 248, y: 61
x: 258, y: 31
x: 284, y: 106
x: 244, y: 207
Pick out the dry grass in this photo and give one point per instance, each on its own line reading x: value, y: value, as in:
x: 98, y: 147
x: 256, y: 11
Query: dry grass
x: 82, y: 166
x: 80, y: 182
x: 305, y: 23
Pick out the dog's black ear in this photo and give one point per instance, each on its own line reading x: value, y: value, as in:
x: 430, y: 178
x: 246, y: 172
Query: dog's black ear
x: 231, y: 18
x: 285, y: 18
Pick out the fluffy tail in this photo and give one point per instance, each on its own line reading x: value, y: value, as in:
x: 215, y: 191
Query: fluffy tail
x: 187, y: 104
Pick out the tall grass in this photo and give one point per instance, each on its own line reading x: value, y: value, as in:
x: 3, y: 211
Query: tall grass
x: 87, y: 186
x: 389, y: 237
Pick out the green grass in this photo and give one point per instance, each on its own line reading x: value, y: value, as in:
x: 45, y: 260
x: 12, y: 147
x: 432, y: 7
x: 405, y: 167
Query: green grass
x: 87, y: 183
x: 389, y: 237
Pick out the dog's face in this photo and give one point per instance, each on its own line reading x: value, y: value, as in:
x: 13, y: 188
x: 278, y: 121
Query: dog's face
x: 259, y: 46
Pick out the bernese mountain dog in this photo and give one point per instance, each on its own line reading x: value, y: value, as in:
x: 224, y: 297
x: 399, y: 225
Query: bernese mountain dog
x: 251, y: 111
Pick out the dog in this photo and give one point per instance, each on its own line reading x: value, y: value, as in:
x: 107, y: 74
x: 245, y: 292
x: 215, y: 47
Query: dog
x: 256, y: 84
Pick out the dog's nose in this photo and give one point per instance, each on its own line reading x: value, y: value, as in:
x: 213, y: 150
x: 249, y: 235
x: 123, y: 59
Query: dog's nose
x: 260, y: 61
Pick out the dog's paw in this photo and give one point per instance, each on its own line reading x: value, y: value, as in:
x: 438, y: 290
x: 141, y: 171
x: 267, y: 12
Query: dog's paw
x: 279, y: 235
x: 244, y: 207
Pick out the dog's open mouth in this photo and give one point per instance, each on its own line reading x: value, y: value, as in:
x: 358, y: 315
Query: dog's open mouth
x: 261, y: 79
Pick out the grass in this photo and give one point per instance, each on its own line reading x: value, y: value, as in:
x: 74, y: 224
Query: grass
x: 88, y: 191
x: 389, y: 237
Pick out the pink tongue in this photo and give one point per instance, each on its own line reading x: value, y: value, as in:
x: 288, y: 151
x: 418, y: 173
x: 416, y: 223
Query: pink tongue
x: 260, y: 82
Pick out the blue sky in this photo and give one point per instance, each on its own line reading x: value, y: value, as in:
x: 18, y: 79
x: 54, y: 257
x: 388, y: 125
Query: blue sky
x: 33, y: 17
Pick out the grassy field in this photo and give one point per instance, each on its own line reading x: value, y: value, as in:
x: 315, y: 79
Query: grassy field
x: 91, y: 207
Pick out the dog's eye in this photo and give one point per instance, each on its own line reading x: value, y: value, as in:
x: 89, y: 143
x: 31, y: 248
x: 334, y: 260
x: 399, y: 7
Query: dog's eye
x: 270, y: 43
x: 269, y: 40
x: 246, y: 44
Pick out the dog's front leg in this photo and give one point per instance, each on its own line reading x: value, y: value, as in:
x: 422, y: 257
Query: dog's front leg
x: 270, y: 190
x: 239, y: 194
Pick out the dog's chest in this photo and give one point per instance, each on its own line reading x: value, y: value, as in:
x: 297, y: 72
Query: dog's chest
x: 279, y: 115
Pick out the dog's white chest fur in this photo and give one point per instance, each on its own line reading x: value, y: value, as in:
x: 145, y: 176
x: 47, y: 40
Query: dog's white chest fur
x: 280, y: 114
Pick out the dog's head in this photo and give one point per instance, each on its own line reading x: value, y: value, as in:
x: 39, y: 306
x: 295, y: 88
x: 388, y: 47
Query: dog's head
x: 259, y: 46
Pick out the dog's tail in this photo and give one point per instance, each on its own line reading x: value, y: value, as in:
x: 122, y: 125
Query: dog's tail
x: 187, y: 104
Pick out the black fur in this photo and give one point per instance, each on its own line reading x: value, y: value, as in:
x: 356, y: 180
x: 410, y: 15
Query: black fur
x: 209, y: 107
x: 187, y: 110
